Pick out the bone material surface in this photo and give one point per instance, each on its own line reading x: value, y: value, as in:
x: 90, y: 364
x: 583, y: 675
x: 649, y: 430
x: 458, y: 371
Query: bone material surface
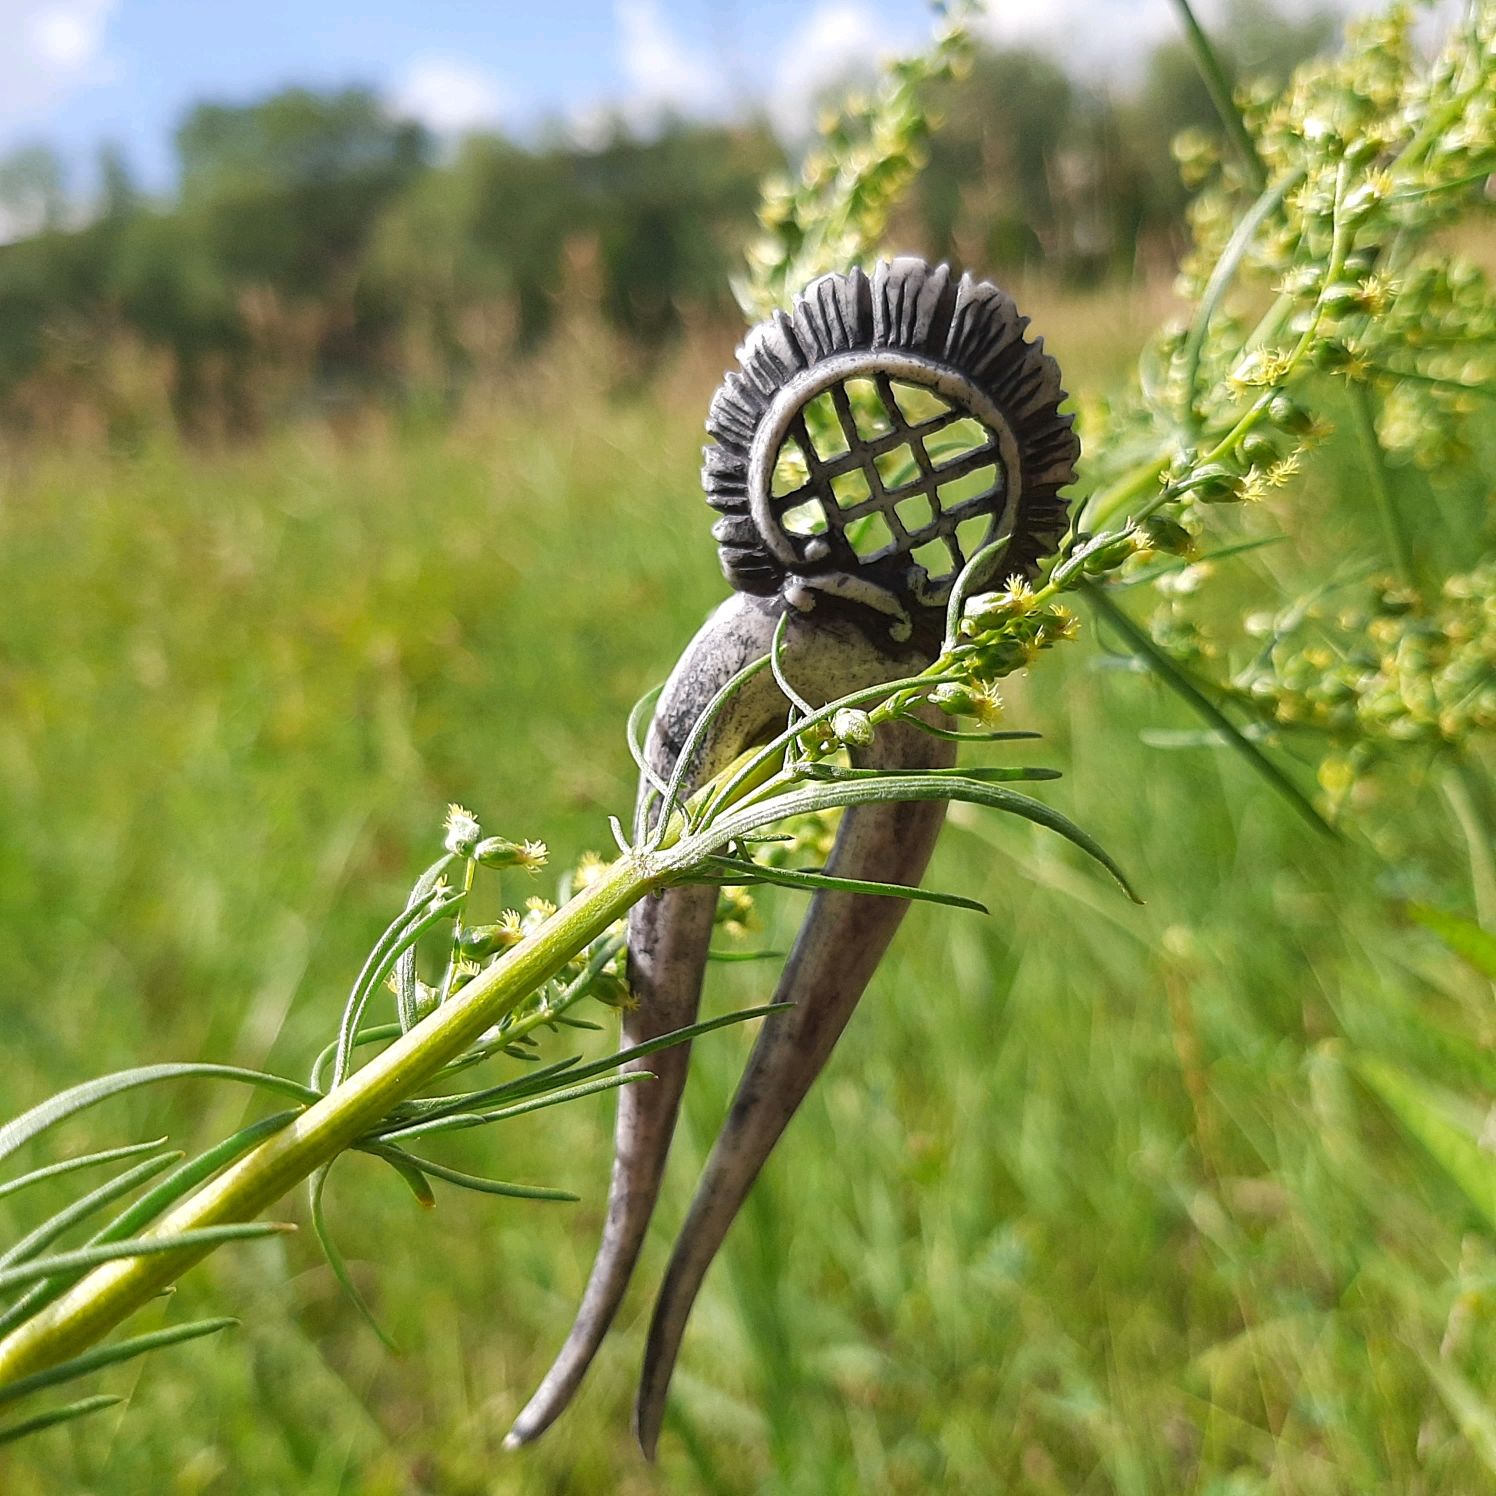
x: 839, y: 947
x: 668, y: 937
x: 941, y: 355
x: 670, y: 933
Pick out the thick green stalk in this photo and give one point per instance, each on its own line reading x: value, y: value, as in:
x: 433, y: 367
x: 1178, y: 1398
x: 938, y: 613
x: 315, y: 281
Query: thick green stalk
x: 110, y: 1293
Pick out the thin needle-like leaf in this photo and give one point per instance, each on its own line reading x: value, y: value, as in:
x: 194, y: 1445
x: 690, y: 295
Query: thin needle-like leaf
x: 955, y: 735
x: 977, y: 570
x: 723, y: 795
x: 1175, y: 738
x: 140, y: 1213
x: 399, y: 1158
x: 899, y: 787
x: 415, y: 1181
x: 54, y: 1416
x: 15, y: 1134
x: 1183, y: 563
x: 109, y: 1355
x: 530, y: 1084
x: 1224, y: 273
x: 405, y: 968
x: 400, y: 941
x: 638, y: 723
x: 139, y: 1246
x: 776, y: 664
x: 83, y: 1161
x: 460, y: 1120
x: 695, y: 738
x: 737, y: 874
x: 80, y: 1209
x: 190, y: 1174
x: 602, y: 952
x: 335, y: 1258
x: 986, y: 774
x: 1170, y: 674
x: 375, y: 1033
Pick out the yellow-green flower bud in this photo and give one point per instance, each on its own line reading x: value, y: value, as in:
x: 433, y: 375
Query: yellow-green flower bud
x: 1168, y: 535
x: 462, y: 830
x: 953, y: 700
x: 1259, y: 449
x: 1213, y: 483
x: 1108, y: 552
x: 478, y: 941
x: 496, y: 851
x: 1343, y: 296
x: 1288, y: 415
x: 852, y: 727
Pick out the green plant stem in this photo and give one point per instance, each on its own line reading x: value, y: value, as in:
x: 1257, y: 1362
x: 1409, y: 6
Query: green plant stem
x: 110, y: 1293
x: 1364, y: 420
x: 1465, y: 806
x: 1183, y: 686
x: 1112, y: 501
x: 1219, y: 87
x: 1221, y: 277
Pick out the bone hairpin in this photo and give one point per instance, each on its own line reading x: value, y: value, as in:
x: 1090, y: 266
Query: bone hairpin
x: 861, y: 376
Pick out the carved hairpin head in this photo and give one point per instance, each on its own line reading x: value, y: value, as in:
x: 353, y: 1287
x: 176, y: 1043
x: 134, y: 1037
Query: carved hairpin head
x: 876, y: 437
x: 882, y: 432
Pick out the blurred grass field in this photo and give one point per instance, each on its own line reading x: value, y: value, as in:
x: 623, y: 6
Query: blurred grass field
x: 1089, y: 1199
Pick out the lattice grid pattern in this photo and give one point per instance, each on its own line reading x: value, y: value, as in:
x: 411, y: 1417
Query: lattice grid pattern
x: 901, y: 471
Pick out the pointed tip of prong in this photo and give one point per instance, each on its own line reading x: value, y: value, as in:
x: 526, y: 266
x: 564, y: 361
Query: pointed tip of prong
x: 647, y: 1434
x: 514, y: 1439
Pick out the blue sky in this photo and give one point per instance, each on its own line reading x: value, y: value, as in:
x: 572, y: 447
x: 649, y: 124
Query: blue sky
x: 76, y: 73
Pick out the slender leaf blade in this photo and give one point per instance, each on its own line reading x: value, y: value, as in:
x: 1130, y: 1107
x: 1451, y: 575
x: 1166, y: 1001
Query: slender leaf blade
x: 1468, y: 940
x: 737, y: 874
x: 140, y: 1213
x: 910, y: 787
x: 110, y: 1355
x: 1415, y: 1105
x: 83, y: 1161
x: 30, y: 1124
x: 335, y: 1259
x: 528, y: 1085
x: 139, y: 1246
x: 1151, y: 657
x: 53, y: 1416
x: 79, y: 1210
x: 398, y: 1157
x: 452, y: 1121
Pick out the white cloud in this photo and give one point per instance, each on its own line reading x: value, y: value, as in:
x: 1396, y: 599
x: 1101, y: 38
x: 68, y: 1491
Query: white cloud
x: 70, y: 36
x: 51, y: 49
x: 449, y: 97
x: 840, y: 42
x: 662, y: 74
x: 1112, y: 38
x: 1095, y: 38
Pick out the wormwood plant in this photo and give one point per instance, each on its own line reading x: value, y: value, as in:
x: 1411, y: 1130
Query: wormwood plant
x: 499, y: 984
x: 1319, y: 289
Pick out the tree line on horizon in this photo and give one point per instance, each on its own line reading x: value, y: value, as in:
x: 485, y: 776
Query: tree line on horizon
x: 318, y: 250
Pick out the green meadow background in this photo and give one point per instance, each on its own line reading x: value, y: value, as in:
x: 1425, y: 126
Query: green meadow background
x: 1090, y: 1198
